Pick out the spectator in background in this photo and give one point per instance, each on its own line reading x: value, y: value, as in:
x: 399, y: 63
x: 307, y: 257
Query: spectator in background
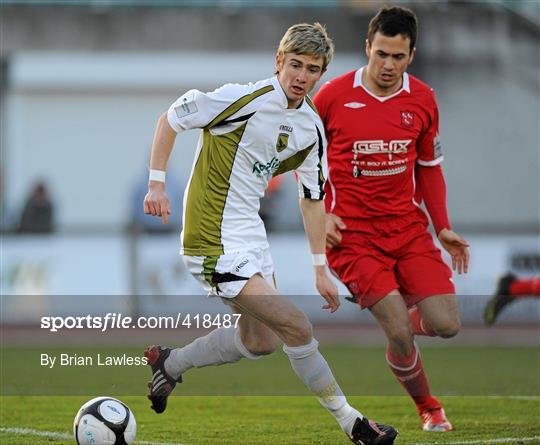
x: 38, y: 212
x: 509, y: 289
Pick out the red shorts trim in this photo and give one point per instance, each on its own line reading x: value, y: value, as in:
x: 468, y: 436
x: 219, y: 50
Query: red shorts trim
x: 391, y: 253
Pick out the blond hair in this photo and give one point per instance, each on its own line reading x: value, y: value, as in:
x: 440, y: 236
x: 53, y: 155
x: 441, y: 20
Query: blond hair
x: 308, y: 39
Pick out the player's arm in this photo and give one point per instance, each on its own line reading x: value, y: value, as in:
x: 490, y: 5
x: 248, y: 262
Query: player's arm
x: 194, y: 109
x: 156, y: 201
x: 432, y: 188
x: 431, y: 182
x: 311, y: 180
x: 313, y: 214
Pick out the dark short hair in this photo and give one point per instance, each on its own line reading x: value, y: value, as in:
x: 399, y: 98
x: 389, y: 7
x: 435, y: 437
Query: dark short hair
x: 393, y: 20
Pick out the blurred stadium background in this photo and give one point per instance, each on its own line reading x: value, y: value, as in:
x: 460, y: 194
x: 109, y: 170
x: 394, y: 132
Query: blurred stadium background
x: 83, y: 83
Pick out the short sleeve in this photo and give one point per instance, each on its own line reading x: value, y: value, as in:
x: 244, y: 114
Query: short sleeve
x: 429, y: 145
x: 311, y: 173
x: 196, y: 109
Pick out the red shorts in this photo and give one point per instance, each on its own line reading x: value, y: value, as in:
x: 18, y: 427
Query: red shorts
x: 387, y: 253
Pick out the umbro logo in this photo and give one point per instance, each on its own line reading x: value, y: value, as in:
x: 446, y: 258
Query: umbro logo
x: 354, y: 105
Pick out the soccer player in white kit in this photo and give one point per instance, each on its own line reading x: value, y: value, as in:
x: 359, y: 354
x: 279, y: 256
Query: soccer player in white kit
x: 251, y: 133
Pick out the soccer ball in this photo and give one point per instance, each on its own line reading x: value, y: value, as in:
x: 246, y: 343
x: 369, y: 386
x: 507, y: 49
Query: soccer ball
x: 104, y: 421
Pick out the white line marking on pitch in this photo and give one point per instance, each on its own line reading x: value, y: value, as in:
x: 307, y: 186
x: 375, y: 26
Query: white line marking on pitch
x: 66, y: 436
x: 31, y: 432
x: 472, y: 442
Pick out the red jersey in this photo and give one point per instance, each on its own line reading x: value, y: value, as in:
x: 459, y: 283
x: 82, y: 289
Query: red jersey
x: 374, y: 144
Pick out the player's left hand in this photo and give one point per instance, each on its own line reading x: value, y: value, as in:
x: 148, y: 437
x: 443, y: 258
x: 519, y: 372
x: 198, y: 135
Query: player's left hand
x: 327, y: 289
x: 458, y: 249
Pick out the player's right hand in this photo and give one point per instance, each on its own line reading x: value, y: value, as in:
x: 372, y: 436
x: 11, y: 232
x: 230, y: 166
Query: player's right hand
x: 334, y: 225
x: 327, y: 289
x: 156, y: 202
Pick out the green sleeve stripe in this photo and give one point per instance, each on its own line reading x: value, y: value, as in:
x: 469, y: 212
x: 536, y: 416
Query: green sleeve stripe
x: 239, y: 104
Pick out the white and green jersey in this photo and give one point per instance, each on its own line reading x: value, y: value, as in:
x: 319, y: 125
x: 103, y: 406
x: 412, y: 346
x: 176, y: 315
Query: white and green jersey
x: 248, y: 136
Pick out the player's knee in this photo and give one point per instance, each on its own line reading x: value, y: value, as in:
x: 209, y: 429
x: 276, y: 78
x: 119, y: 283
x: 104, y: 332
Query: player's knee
x: 297, y: 329
x: 448, y: 329
x: 303, y: 332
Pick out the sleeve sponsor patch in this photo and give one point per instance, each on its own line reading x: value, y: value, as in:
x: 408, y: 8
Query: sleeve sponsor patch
x: 437, y: 149
x: 185, y: 108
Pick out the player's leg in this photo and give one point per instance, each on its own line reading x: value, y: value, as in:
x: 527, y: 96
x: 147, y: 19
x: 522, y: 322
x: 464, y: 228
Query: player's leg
x: 250, y: 339
x: 222, y: 345
x: 525, y: 287
x: 403, y: 355
x: 369, y: 275
x: 292, y: 326
x: 439, y: 315
x: 426, y: 282
x: 509, y: 288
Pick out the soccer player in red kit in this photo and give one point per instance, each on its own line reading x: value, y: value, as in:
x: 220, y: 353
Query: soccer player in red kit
x: 383, y: 154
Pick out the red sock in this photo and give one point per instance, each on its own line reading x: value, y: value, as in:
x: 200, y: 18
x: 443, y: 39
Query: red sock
x: 525, y: 288
x: 410, y: 373
x: 419, y: 327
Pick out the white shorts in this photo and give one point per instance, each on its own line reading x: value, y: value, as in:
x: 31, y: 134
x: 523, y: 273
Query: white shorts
x: 226, y: 275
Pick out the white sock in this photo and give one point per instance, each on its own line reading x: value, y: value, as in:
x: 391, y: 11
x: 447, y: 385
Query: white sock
x: 222, y: 345
x: 348, y: 419
x: 313, y: 370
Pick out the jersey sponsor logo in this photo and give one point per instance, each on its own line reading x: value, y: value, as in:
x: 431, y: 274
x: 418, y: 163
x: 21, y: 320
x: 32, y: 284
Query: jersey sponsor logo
x: 261, y: 170
x: 186, y: 108
x: 282, y: 142
x: 380, y: 146
x: 407, y: 119
x: 354, y: 105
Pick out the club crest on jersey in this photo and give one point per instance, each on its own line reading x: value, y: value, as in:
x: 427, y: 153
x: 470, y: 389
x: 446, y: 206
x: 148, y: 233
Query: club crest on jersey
x: 407, y: 119
x: 282, y: 142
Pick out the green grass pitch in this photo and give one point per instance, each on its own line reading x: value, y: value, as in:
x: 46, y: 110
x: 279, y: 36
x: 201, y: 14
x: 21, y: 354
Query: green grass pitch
x: 492, y: 395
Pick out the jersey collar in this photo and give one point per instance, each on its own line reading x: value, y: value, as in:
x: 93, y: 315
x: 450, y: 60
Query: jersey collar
x: 358, y: 83
x: 279, y: 90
